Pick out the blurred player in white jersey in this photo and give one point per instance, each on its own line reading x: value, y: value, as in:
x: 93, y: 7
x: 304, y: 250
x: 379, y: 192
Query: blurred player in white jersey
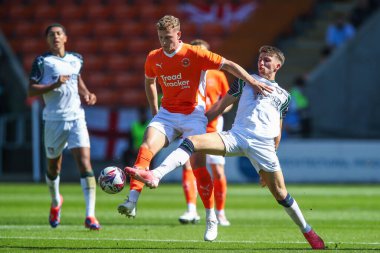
x: 216, y: 88
x: 256, y: 134
x: 56, y: 75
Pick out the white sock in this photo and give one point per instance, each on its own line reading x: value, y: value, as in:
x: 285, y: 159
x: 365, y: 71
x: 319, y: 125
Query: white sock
x: 191, y: 208
x: 134, y: 196
x: 210, y: 214
x: 176, y: 159
x: 89, y: 191
x: 295, y: 213
x: 54, y: 190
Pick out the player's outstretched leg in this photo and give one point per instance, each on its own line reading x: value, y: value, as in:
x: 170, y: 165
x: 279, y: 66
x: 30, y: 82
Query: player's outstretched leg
x: 145, y: 176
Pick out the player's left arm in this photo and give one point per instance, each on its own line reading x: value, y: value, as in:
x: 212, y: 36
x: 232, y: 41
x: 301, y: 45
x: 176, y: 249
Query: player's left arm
x: 239, y: 72
x: 277, y: 139
x: 89, y: 98
x: 219, y: 107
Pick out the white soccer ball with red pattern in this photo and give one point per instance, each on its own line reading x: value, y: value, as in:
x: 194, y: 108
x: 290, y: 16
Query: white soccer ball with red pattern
x: 111, y: 179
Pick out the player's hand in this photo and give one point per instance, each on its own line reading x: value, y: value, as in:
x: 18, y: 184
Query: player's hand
x: 61, y: 80
x: 263, y: 88
x: 90, y: 98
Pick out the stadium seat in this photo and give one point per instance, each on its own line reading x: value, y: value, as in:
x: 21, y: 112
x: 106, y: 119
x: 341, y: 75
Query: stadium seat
x: 131, y: 28
x: 77, y: 29
x: 123, y: 12
x: 112, y: 45
x: 93, y: 62
x: 83, y: 46
x: 27, y: 29
x: 117, y: 63
x: 97, y: 12
x: 46, y: 12
x: 127, y: 80
x: 141, y: 45
x: 107, y: 29
x: 17, y: 11
x: 97, y: 80
x: 72, y: 12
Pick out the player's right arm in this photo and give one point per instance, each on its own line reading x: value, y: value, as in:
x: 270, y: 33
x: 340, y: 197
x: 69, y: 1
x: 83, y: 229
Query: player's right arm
x: 36, y: 89
x: 151, y: 94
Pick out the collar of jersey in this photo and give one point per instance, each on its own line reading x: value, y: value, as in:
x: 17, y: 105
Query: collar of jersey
x: 176, y: 51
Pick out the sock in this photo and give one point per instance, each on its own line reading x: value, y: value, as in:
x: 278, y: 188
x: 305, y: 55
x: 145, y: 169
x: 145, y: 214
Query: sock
x: 210, y: 214
x: 190, y: 189
x: 292, y: 209
x: 205, y: 187
x: 143, y: 159
x: 53, y: 184
x: 134, y: 195
x: 220, y: 192
x: 88, y: 184
x: 176, y: 159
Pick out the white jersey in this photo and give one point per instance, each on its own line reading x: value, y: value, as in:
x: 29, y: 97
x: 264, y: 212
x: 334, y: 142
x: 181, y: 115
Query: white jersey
x: 257, y: 114
x: 62, y: 103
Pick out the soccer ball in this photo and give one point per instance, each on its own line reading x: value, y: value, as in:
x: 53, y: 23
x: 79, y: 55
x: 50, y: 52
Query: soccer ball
x: 111, y: 180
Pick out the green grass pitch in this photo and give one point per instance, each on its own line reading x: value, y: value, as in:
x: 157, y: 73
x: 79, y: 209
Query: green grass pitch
x: 346, y: 216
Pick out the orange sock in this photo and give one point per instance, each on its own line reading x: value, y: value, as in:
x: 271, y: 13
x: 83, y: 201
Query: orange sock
x: 205, y: 186
x: 189, y: 186
x: 220, y: 192
x: 142, y: 161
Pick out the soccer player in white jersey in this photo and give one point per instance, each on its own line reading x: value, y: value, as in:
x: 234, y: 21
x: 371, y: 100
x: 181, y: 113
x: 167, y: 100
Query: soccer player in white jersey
x: 256, y: 134
x: 56, y: 76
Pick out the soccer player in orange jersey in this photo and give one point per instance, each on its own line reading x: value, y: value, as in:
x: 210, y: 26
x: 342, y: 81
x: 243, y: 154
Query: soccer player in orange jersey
x: 180, y: 69
x: 216, y: 88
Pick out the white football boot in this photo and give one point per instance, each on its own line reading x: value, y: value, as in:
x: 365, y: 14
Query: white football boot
x: 211, y: 230
x: 189, y: 217
x: 128, y: 208
x: 222, y: 220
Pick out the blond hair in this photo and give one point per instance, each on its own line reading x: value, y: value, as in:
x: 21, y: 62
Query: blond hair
x: 200, y: 42
x: 167, y: 23
x: 273, y: 51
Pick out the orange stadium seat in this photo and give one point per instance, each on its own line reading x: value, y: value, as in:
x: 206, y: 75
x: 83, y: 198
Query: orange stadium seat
x: 83, y: 46
x: 141, y: 45
x: 30, y: 45
x: 123, y: 12
x: 112, y: 45
x: 44, y: 12
x: 78, y: 29
x: 115, y: 63
x: 97, y: 80
x: 28, y: 29
x: 92, y: 62
x: 17, y: 11
x: 127, y: 80
x: 131, y: 29
x: 133, y: 97
x: 72, y: 12
x: 107, y: 29
x: 97, y: 12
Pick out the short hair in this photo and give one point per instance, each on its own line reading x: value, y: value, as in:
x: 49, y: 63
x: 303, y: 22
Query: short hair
x: 54, y: 25
x: 200, y: 42
x: 273, y: 51
x: 167, y: 23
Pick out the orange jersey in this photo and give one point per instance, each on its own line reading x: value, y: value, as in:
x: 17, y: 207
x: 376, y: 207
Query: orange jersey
x: 182, y: 76
x: 216, y: 88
